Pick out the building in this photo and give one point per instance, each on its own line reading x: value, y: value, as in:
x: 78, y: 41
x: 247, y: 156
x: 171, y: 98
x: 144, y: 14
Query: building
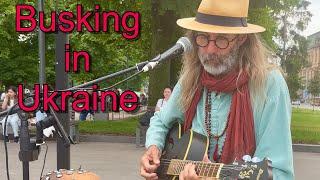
x: 307, y: 73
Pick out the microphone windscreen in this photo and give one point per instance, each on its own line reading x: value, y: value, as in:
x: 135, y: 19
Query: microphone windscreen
x: 186, y: 44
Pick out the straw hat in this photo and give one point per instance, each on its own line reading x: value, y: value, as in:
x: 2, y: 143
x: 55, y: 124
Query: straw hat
x: 221, y: 16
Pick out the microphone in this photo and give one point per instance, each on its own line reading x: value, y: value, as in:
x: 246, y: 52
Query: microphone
x: 182, y: 45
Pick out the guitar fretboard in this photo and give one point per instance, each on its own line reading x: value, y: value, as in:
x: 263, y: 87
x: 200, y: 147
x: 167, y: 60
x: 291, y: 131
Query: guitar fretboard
x: 203, y: 169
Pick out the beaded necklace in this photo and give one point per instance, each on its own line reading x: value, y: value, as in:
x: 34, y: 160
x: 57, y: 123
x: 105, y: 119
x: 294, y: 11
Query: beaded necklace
x: 207, y: 122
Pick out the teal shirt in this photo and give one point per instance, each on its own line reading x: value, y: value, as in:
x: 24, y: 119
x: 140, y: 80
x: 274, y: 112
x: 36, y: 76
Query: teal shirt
x: 271, y: 123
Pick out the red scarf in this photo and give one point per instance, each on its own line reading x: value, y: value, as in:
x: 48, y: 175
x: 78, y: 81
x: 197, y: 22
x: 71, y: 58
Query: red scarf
x: 240, y: 136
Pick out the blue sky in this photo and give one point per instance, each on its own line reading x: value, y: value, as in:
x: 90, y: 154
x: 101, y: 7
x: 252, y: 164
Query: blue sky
x: 314, y: 24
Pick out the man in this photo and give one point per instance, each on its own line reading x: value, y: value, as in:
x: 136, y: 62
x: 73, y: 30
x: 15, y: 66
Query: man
x: 227, y: 91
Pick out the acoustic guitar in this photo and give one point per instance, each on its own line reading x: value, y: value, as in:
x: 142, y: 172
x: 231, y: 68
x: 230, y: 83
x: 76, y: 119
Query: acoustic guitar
x: 191, y: 147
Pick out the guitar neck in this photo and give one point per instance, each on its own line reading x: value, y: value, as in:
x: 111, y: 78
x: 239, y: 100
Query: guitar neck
x: 203, y: 169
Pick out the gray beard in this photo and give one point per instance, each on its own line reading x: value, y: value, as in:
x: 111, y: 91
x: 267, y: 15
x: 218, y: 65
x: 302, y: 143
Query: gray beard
x: 226, y: 62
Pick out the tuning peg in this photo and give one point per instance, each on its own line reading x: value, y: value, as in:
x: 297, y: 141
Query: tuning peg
x: 246, y: 158
x: 255, y: 160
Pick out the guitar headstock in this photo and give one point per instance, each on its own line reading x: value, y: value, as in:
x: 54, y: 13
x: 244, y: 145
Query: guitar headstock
x: 258, y: 170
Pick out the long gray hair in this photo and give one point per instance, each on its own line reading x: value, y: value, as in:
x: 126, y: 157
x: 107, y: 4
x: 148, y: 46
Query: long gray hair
x: 253, y: 58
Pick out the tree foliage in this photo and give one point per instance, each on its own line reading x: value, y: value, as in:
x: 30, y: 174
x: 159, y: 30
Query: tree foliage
x: 110, y: 52
x: 292, y: 17
x: 288, y: 18
x: 314, y: 85
x: 17, y: 58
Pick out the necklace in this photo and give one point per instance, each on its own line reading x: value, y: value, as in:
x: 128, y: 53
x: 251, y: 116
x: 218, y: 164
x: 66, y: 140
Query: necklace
x: 207, y: 122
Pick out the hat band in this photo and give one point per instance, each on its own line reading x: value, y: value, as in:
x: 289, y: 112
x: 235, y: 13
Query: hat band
x: 221, y: 20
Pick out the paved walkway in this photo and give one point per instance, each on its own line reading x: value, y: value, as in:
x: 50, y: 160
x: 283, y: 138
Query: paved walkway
x: 119, y: 161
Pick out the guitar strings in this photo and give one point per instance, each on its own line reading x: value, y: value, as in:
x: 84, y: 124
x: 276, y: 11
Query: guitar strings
x: 168, y: 161
x: 213, y: 173
x: 208, y: 165
x: 211, y: 164
x: 225, y: 166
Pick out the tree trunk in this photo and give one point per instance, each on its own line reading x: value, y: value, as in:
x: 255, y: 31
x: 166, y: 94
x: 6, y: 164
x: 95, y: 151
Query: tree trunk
x: 165, y: 33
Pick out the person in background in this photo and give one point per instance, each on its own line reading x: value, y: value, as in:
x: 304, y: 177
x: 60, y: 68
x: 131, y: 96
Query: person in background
x: 9, y: 100
x: 143, y: 99
x: 162, y: 102
x: 84, y: 113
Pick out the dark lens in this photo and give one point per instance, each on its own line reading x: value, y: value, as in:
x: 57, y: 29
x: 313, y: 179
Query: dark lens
x: 202, y: 40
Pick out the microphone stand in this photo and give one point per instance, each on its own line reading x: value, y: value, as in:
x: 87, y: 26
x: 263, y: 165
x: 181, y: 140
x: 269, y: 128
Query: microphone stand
x: 138, y: 67
x: 30, y: 149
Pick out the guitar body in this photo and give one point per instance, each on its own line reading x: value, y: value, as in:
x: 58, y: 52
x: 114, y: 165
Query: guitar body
x: 189, y: 146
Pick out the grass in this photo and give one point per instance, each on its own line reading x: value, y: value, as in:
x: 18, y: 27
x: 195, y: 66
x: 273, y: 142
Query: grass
x: 305, y: 126
x: 116, y: 127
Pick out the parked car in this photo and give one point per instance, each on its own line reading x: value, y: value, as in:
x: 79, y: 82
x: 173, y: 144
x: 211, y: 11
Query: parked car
x: 297, y: 102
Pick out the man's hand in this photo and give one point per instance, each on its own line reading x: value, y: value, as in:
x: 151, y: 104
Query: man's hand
x: 150, y: 162
x: 189, y: 173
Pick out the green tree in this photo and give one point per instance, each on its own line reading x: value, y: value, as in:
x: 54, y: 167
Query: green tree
x: 110, y: 52
x: 294, y: 84
x: 314, y: 86
x: 19, y: 52
x: 17, y: 66
x: 292, y: 17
